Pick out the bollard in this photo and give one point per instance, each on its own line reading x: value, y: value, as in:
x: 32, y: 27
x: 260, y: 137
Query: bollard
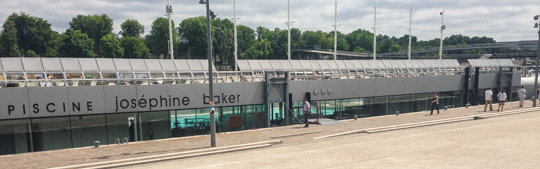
x: 397, y: 113
x: 125, y: 140
x: 355, y: 117
x: 445, y: 107
x: 117, y: 141
x: 96, y: 144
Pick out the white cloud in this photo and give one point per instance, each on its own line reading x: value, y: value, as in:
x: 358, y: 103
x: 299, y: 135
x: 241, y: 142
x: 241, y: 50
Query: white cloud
x: 500, y: 19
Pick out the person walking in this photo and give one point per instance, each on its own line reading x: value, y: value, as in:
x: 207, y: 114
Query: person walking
x: 489, y: 100
x: 307, y: 111
x: 435, y: 103
x: 502, y: 100
x: 522, y: 94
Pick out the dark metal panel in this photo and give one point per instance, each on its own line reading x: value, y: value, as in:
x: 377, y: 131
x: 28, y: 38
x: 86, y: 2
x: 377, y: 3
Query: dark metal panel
x: 47, y: 102
x: 182, y: 96
x: 201, y: 95
x: 298, y: 89
x: 253, y: 93
x: 233, y: 94
x: 366, y: 87
x: 120, y: 99
x: 410, y: 85
x: 487, y: 80
x: 318, y: 86
x: 86, y: 100
x: 350, y: 88
x: 14, y: 103
x: 156, y: 96
x: 383, y: 87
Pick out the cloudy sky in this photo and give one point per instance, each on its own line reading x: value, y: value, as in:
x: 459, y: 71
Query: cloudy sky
x: 504, y: 20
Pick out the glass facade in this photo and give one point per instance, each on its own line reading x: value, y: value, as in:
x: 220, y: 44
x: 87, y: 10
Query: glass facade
x: 27, y: 135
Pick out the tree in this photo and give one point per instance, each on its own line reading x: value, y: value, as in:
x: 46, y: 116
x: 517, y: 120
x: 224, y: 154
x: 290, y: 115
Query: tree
x: 31, y: 53
x: 8, y: 40
x: 95, y: 26
x: 246, y: 38
x: 32, y: 33
x: 110, y: 47
x: 77, y: 44
x: 194, y: 31
x: 131, y: 28
x: 158, y: 40
x: 315, y: 40
x: 134, y: 48
x: 260, y: 50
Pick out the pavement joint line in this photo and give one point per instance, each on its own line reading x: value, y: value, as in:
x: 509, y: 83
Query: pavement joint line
x: 272, y: 142
x: 427, y: 123
x: 299, y: 134
x: 179, y: 157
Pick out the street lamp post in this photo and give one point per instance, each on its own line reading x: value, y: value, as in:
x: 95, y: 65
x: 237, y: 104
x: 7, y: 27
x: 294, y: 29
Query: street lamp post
x: 536, y: 25
x: 289, y: 29
x: 210, y: 15
x: 410, y: 32
x: 375, y: 34
x: 442, y: 29
x: 235, y: 39
x: 335, y: 34
x: 169, y: 13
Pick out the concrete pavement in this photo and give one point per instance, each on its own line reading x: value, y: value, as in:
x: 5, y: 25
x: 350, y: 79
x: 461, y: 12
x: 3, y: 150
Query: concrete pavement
x: 290, y: 135
x: 502, y: 142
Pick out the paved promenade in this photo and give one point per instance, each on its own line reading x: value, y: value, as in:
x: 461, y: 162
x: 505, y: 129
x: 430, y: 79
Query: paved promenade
x: 501, y: 142
x: 290, y: 135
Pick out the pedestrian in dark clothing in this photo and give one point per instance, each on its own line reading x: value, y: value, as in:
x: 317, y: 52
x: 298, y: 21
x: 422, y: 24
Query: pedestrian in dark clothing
x: 435, y: 103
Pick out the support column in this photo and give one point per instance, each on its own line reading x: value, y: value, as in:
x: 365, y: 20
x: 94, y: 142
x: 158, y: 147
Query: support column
x: 466, y: 85
x: 268, y: 112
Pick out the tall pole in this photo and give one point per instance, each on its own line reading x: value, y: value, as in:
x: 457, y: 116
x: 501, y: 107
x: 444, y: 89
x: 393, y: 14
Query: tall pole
x: 210, y: 76
x: 169, y: 13
x: 288, y: 30
x: 335, y: 35
x: 375, y: 35
x: 442, y: 29
x: 235, y: 39
x: 537, y: 56
x: 410, y: 32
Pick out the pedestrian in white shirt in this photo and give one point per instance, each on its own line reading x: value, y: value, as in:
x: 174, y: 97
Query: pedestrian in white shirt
x: 502, y: 100
x: 489, y: 99
x: 522, y: 93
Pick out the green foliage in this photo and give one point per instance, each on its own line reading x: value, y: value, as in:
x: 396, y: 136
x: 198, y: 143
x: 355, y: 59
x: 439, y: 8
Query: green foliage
x: 131, y: 28
x: 30, y: 53
x: 194, y: 30
x: 51, y: 53
x: 77, y: 44
x: 134, y: 48
x: 8, y: 40
x: 158, y: 39
x: 110, y: 47
x: 246, y: 38
x: 32, y: 33
x: 95, y: 26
